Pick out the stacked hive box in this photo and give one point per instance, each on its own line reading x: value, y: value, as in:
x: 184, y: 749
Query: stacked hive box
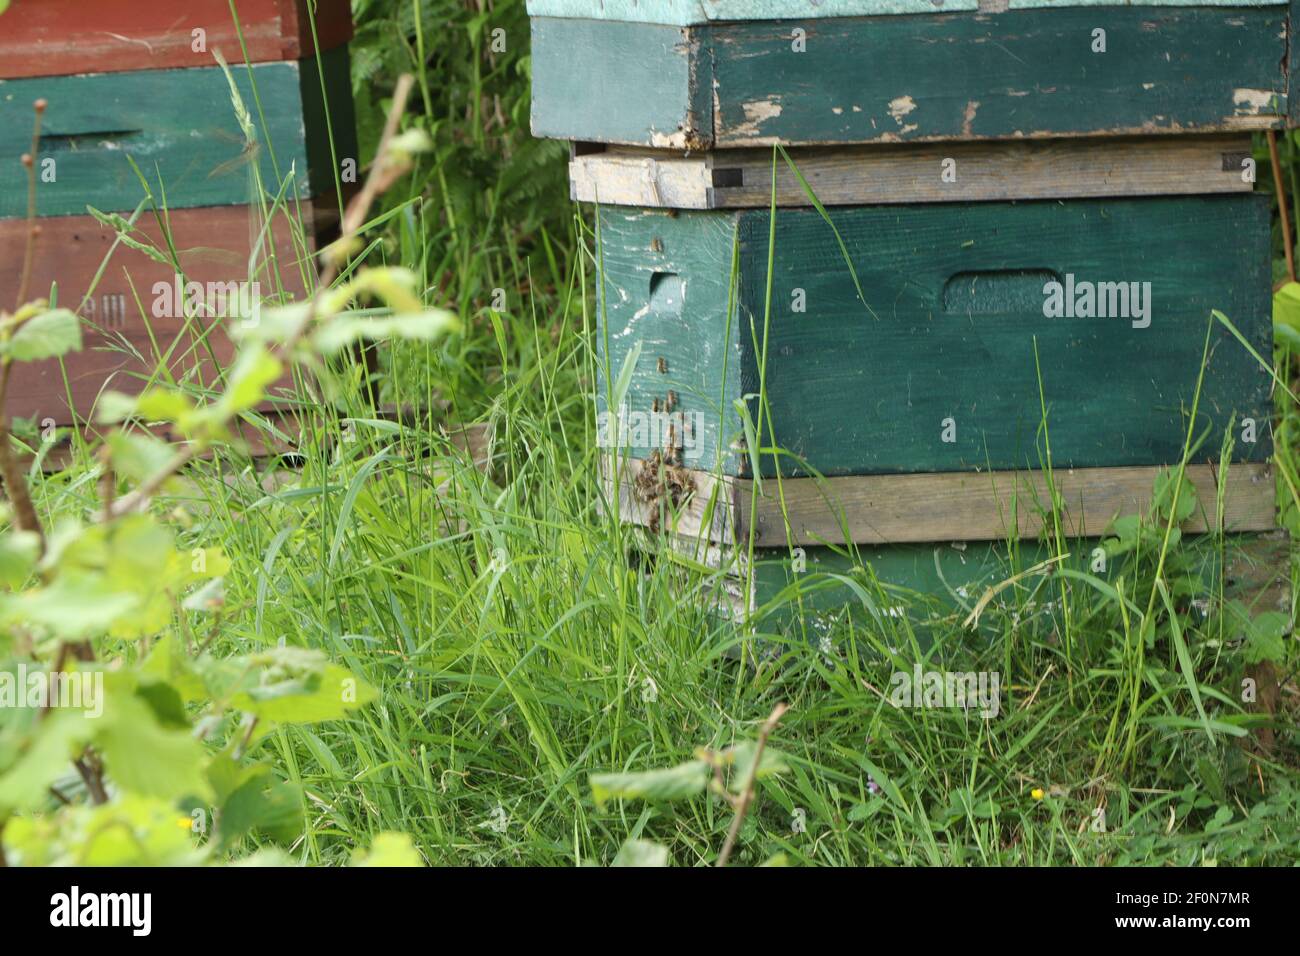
x: 135, y: 91
x: 909, y: 338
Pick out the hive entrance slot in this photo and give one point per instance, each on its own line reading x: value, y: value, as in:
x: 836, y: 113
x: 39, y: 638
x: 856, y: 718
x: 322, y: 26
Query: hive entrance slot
x: 667, y: 291
x: 997, y: 291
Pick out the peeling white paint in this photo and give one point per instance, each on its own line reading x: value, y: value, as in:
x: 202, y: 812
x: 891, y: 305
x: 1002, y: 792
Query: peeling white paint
x: 1248, y: 102
x: 757, y: 113
x: 900, y: 106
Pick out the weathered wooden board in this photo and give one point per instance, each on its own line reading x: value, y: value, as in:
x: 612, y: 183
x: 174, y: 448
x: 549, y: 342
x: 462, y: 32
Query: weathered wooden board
x: 57, y: 37
x: 1019, y: 74
x: 957, y: 574
x: 952, y: 172
x: 128, y: 324
x: 180, y: 129
x: 948, y: 506
x: 691, y: 12
x: 938, y: 367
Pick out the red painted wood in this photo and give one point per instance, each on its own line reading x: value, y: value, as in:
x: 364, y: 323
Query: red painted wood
x: 63, y: 37
x: 213, y: 246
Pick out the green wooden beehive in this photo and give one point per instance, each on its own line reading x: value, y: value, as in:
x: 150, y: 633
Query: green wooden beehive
x: 993, y: 327
x: 703, y: 74
x: 180, y: 129
x: 924, y: 343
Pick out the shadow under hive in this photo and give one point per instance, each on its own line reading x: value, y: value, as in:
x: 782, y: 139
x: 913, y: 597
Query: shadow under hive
x: 134, y: 92
x: 1006, y: 233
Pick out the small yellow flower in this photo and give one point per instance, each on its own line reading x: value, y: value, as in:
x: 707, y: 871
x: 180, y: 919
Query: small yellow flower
x: 185, y: 823
x: 1037, y: 793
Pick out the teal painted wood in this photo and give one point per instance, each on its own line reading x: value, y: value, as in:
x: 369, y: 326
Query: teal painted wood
x: 180, y: 128
x: 956, y: 296
x: 665, y: 281
x: 894, y: 79
x: 690, y: 12
x: 954, y: 577
x: 1292, y: 65
x: 659, y: 62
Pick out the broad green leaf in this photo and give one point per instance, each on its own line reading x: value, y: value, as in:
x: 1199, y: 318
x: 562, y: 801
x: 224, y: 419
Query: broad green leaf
x: 742, y: 760
x: 265, y: 805
x: 138, y: 455
x: 412, y: 141
x: 394, y: 285
x: 76, y: 606
x: 47, y: 335
x: 1266, y: 638
x: 254, y: 371
x: 274, y: 324
x: 111, y: 408
x: 672, y: 783
x: 45, y: 754
x: 1286, y: 309
x: 129, y: 831
x: 210, y: 597
x: 164, y: 405
x: 641, y: 853
x: 18, y: 553
x: 340, y: 332
x: 140, y: 754
x: 168, y: 662
x: 390, y: 850
x: 298, y: 686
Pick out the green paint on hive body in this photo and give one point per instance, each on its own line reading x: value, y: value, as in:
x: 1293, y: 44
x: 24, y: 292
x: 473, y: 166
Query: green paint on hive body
x: 180, y: 128
x: 656, y: 61
x: 957, y: 296
x: 892, y: 79
x: 956, y: 575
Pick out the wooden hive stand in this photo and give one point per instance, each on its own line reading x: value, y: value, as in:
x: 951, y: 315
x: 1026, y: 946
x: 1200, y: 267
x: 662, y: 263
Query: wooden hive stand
x: 973, y: 288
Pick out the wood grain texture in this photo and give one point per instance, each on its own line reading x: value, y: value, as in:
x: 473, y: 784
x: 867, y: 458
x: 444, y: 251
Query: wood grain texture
x: 954, y: 506
x: 180, y: 128
x: 978, y: 172
x: 111, y: 286
x: 990, y: 506
x: 952, y: 332
x: 965, y: 76
x: 57, y: 37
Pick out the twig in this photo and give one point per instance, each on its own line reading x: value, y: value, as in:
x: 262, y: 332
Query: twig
x: 92, y: 774
x: 1281, y: 204
x: 10, y: 473
x: 747, y: 795
x: 29, y: 160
